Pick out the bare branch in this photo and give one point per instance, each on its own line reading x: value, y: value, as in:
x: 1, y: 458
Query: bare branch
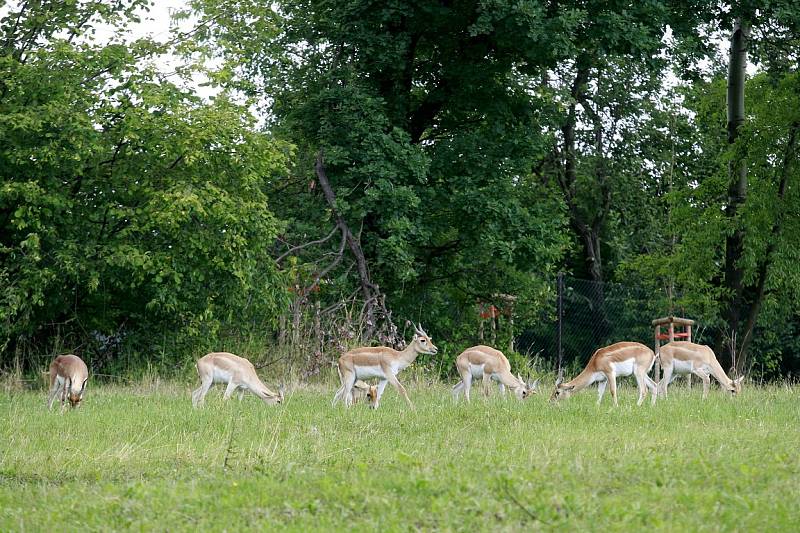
x: 322, y: 273
x: 306, y: 245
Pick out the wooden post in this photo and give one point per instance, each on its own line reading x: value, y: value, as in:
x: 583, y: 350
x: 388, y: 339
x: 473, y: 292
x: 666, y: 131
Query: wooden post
x: 511, y: 331
x: 670, y: 322
x: 282, y: 329
x: 560, y: 325
x: 296, y: 314
x: 318, y: 326
x: 658, y: 360
x: 689, y: 339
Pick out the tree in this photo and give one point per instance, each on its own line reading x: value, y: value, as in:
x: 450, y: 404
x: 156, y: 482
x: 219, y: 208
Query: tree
x: 743, y: 296
x: 728, y: 261
x: 428, y: 140
x: 128, y: 206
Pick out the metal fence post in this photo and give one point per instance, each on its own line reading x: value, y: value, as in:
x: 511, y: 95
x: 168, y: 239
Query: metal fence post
x: 560, y: 290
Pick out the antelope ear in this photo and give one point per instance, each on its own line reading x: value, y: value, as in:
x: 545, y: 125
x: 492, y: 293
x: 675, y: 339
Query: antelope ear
x: 281, y: 391
x: 738, y: 380
x: 519, y: 377
x: 567, y: 387
x: 533, y: 385
x: 360, y: 385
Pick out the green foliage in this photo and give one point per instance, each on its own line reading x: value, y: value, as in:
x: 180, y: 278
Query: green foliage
x: 428, y: 138
x: 127, y: 206
x: 695, y: 262
x: 132, y: 209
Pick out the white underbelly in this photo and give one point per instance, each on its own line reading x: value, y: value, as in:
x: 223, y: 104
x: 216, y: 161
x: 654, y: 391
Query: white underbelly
x: 682, y: 367
x: 222, y: 376
x: 366, y: 372
x: 623, y: 368
x: 598, y: 377
x: 476, y: 371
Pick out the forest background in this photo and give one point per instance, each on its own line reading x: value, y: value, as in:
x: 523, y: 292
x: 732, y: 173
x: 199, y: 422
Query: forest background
x: 363, y: 164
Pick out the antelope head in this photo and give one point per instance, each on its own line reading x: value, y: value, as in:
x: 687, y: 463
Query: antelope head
x: 73, y: 396
x: 562, y: 391
x: 735, y: 385
x: 270, y: 398
x: 527, y: 388
x: 422, y: 341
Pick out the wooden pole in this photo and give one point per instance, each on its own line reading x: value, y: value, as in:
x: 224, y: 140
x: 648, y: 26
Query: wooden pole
x: 658, y: 360
x: 318, y: 326
x: 511, y: 331
x: 689, y: 339
x: 560, y: 290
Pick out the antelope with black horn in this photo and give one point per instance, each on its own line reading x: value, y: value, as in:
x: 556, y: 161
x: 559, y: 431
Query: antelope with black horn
x: 383, y: 363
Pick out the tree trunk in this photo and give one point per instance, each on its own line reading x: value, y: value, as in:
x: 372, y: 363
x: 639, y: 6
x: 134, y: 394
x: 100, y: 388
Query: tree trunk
x: 587, y: 226
x: 594, y: 262
x: 737, y: 194
x: 369, y: 290
x: 785, y: 170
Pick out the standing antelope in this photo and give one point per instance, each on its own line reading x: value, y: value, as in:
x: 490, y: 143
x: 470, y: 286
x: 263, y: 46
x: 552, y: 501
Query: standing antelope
x: 619, y: 359
x: 683, y: 357
x: 380, y: 362
x: 66, y: 372
x: 237, y: 372
x: 483, y: 362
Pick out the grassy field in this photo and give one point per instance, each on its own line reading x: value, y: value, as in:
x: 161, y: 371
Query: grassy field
x: 141, y: 458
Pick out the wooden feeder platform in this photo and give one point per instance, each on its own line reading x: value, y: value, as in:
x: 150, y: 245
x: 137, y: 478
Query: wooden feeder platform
x: 677, y: 329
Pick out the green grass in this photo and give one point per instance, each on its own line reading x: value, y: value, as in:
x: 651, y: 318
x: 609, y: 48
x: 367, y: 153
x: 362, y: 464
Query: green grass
x: 143, y: 459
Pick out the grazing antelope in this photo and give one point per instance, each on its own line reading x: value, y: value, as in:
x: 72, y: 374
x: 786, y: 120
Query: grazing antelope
x: 683, y: 357
x: 483, y: 362
x: 66, y: 373
x: 619, y: 359
x: 237, y: 372
x: 380, y: 362
x: 363, y: 390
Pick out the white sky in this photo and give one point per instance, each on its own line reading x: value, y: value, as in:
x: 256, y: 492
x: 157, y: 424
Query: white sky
x: 157, y: 24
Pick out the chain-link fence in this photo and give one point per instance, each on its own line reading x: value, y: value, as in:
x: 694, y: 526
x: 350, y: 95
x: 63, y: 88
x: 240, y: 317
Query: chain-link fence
x: 593, y: 315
